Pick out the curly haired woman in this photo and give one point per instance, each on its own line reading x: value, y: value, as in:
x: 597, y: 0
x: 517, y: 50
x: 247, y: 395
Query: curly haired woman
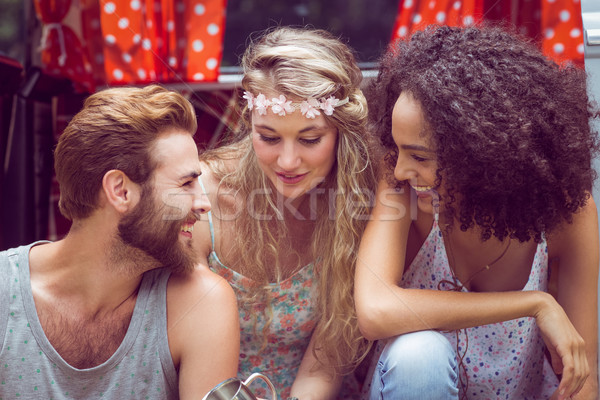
x: 480, y: 264
x: 290, y: 198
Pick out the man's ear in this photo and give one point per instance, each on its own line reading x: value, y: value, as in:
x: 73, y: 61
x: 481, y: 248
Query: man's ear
x: 120, y: 191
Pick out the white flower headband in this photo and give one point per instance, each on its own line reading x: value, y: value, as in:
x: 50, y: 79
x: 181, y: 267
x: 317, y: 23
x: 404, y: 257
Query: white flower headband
x: 281, y: 106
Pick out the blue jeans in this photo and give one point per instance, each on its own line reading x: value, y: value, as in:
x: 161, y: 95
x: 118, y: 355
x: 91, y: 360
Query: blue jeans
x: 418, y: 365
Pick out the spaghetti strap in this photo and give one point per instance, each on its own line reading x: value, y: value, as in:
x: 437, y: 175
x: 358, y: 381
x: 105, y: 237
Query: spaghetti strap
x: 210, y: 221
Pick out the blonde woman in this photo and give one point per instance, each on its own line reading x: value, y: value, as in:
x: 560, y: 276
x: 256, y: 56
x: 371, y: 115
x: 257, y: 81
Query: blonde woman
x: 290, y: 200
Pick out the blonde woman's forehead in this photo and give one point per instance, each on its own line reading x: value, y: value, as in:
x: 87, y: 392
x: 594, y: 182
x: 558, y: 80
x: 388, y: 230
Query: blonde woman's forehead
x: 291, y: 122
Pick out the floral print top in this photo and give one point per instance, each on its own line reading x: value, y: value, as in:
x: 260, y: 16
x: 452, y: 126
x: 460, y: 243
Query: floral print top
x: 501, y: 361
x: 293, y: 303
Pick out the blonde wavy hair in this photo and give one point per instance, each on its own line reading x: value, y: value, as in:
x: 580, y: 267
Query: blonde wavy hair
x: 303, y: 63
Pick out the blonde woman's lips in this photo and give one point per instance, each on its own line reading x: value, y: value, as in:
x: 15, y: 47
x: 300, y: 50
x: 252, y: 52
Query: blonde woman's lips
x: 290, y: 179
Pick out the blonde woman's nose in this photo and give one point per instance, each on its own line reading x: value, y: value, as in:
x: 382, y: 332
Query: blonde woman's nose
x: 289, y: 158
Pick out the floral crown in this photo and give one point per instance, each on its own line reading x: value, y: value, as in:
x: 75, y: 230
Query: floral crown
x: 281, y: 106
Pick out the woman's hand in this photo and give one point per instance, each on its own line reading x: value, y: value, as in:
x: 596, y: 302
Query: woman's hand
x: 314, y: 380
x: 566, y: 347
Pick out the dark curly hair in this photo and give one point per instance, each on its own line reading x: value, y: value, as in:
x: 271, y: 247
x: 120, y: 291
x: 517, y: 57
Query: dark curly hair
x: 510, y: 128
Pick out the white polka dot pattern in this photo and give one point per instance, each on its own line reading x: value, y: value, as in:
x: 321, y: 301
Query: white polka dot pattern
x: 563, y: 19
x: 133, y: 41
x: 557, y: 22
x: 415, y: 15
x: 171, y: 45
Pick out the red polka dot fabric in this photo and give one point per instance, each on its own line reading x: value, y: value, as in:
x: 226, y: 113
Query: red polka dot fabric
x: 562, y: 30
x: 141, y: 41
x: 414, y: 15
x: 62, y: 52
x: 162, y: 40
x: 132, y: 41
x: 555, y: 24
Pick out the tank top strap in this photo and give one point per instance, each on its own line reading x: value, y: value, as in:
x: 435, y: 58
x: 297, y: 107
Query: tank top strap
x: 210, y: 221
x: 5, y: 270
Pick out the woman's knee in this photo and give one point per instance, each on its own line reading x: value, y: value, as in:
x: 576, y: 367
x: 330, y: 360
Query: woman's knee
x: 415, y: 365
x: 415, y: 351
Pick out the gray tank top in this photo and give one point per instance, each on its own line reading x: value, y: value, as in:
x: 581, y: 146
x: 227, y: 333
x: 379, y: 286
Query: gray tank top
x: 30, y: 368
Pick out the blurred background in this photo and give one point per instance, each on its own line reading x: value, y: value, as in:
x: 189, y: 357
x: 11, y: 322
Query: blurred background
x: 54, y: 53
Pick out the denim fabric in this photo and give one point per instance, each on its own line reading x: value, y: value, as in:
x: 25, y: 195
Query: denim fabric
x: 418, y: 365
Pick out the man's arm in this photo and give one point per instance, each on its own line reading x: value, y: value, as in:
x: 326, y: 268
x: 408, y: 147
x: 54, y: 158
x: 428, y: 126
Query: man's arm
x: 203, y: 329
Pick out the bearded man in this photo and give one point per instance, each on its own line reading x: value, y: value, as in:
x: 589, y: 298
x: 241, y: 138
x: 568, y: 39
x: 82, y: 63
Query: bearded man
x: 120, y: 307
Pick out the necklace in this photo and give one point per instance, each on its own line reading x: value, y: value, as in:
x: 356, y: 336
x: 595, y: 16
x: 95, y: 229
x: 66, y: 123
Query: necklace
x: 457, y: 284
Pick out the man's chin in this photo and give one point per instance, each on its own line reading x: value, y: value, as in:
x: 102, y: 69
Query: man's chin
x: 184, y: 262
